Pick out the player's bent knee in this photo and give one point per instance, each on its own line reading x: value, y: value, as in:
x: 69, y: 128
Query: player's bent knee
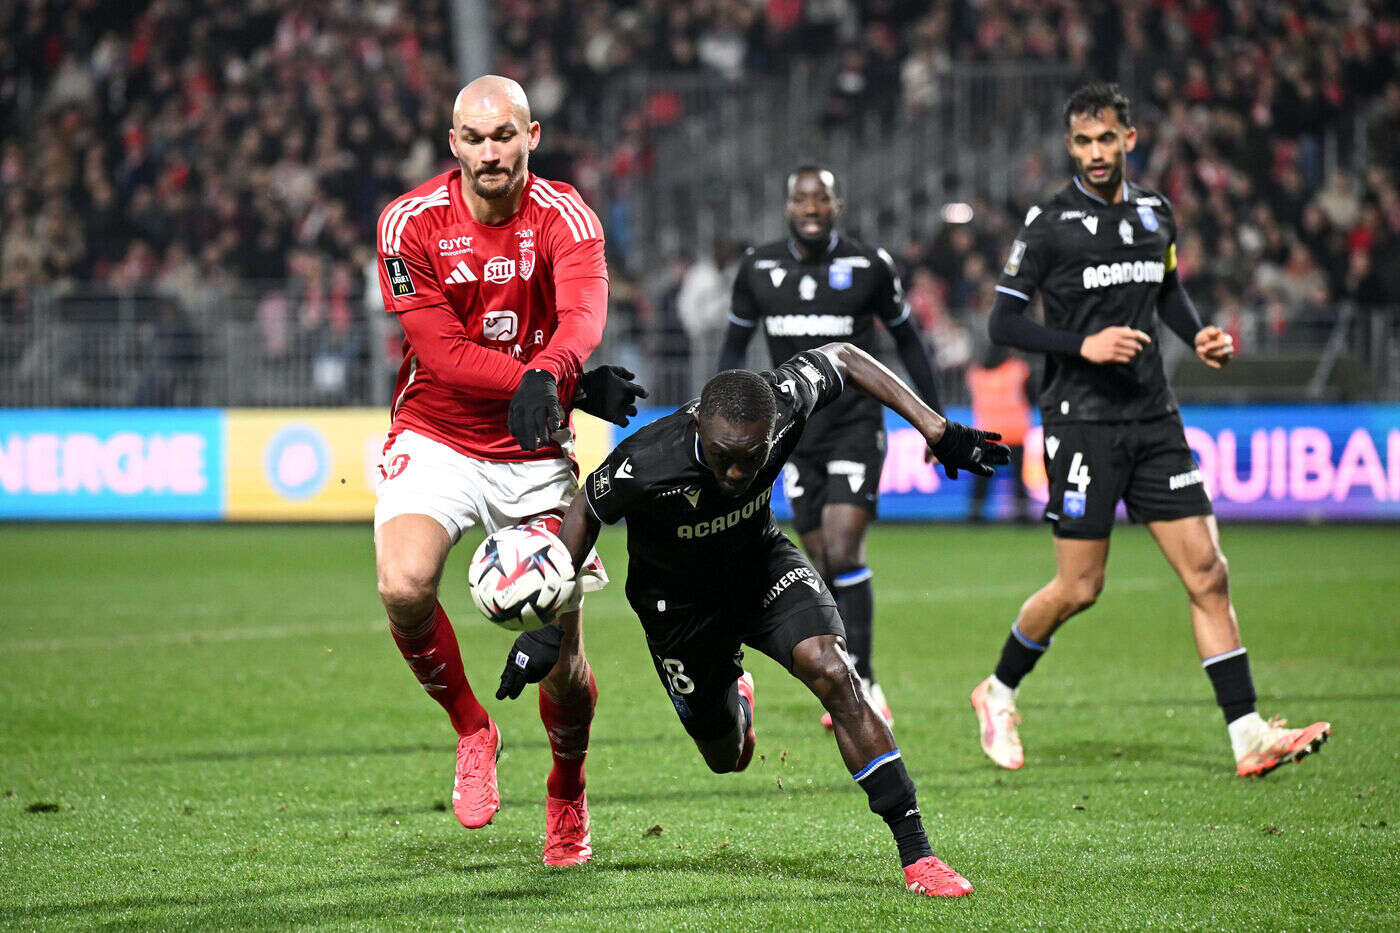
x: 1211, y: 578
x: 833, y: 679
x: 405, y: 593
x: 1083, y: 592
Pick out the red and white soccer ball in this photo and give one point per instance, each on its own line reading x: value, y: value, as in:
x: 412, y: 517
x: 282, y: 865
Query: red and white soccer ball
x: 520, y: 576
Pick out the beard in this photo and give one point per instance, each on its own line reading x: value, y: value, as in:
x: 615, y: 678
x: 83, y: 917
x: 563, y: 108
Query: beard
x: 1114, y: 179
x: 495, y: 186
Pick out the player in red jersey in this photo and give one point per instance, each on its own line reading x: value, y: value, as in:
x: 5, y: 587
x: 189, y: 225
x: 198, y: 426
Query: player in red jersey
x: 499, y: 281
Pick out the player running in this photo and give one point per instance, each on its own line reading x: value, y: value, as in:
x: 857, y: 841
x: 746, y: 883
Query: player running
x: 709, y: 571
x: 1103, y: 253
x: 807, y: 289
x: 499, y: 281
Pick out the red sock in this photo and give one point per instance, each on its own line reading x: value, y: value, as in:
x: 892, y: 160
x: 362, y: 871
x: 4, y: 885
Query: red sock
x: 437, y: 663
x: 567, y: 727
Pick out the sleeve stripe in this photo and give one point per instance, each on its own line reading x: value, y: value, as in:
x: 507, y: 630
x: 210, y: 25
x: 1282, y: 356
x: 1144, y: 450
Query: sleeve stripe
x: 1011, y: 291
x: 575, y: 203
x: 903, y: 316
x: 565, y: 203
x: 539, y: 198
x: 735, y: 319
x: 391, y: 217
x: 393, y: 228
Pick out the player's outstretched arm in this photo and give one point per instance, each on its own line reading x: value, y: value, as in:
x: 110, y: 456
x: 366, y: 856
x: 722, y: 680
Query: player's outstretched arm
x: 957, y: 446
x: 579, y: 530
x: 917, y: 359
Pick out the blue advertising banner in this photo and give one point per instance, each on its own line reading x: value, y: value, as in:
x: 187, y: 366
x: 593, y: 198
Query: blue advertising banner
x: 1283, y: 462
x: 111, y: 464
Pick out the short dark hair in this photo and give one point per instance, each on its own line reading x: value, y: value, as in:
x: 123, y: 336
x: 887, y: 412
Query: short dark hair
x: 739, y: 397
x: 1092, y: 98
x: 809, y: 168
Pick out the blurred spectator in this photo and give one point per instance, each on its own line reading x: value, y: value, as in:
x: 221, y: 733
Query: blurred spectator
x: 702, y: 304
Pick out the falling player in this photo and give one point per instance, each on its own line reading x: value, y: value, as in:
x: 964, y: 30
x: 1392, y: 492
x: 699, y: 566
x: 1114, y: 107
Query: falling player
x: 811, y: 287
x: 1102, y: 252
x: 499, y: 281
x: 709, y: 571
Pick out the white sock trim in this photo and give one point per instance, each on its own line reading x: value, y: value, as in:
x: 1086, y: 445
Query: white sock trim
x: 1223, y: 656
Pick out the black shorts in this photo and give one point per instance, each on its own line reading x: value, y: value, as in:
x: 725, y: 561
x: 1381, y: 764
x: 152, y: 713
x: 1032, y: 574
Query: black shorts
x: 841, y: 468
x: 1093, y: 464
x: 698, y: 649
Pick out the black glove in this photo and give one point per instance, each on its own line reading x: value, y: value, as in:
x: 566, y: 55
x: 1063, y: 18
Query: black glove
x: 964, y: 448
x: 529, y: 660
x: 535, y: 412
x: 606, y: 393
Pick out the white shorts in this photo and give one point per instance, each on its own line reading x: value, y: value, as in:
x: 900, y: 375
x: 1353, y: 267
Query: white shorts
x: 421, y: 476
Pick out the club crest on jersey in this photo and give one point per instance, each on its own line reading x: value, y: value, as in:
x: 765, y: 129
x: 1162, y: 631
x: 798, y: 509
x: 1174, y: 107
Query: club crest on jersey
x: 400, y: 282
x: 1125, y: 232
x: 807, y: 288
x: 839, y: 277
x: 1149, y: 217
x: 499, y: 325
x: 527, y: 253
x: 499, y: 270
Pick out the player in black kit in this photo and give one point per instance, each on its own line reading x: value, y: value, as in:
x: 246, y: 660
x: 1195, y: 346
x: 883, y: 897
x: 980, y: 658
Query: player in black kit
x: 812, y: 287
x: 709, y: 571
x: 1102, y: 253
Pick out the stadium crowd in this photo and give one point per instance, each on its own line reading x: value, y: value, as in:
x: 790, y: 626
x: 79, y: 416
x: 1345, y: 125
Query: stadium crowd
x: 187, y: 145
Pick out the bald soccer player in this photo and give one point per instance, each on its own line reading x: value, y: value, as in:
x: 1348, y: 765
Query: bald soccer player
x: 499, y: 281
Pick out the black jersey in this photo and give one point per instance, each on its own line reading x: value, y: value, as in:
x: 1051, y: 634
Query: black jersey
x: 802, y: 305
x: 1097, y: 265
x: 687, y: 541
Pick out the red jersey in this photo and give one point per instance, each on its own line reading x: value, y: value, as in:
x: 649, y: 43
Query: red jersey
x: 480, y: 304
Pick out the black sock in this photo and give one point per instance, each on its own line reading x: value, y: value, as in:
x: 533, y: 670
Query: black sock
x: 1018, y: 656
x: 1234, y: 688
x: 891, y: 792
x: 857, y: 607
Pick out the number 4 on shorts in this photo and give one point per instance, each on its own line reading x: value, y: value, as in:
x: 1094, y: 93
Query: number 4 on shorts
x: 1079, y: 472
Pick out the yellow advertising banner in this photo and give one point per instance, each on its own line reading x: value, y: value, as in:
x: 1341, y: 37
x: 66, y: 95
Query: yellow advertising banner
x: 322, y: 464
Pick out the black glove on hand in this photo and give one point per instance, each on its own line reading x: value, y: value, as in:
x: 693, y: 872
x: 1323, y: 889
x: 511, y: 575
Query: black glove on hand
x: 964, y: 448
x: 607, y: 393
x: 535, y: 412
x: 529, y: 660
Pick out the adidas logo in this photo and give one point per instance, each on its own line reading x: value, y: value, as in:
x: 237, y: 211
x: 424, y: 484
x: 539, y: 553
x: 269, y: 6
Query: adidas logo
x: 461, y: 275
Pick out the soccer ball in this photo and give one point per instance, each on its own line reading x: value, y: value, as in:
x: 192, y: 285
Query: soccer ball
x: 520, y: 576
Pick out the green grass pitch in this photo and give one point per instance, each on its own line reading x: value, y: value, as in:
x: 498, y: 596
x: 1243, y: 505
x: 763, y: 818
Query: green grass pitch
x: 209, y: 727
